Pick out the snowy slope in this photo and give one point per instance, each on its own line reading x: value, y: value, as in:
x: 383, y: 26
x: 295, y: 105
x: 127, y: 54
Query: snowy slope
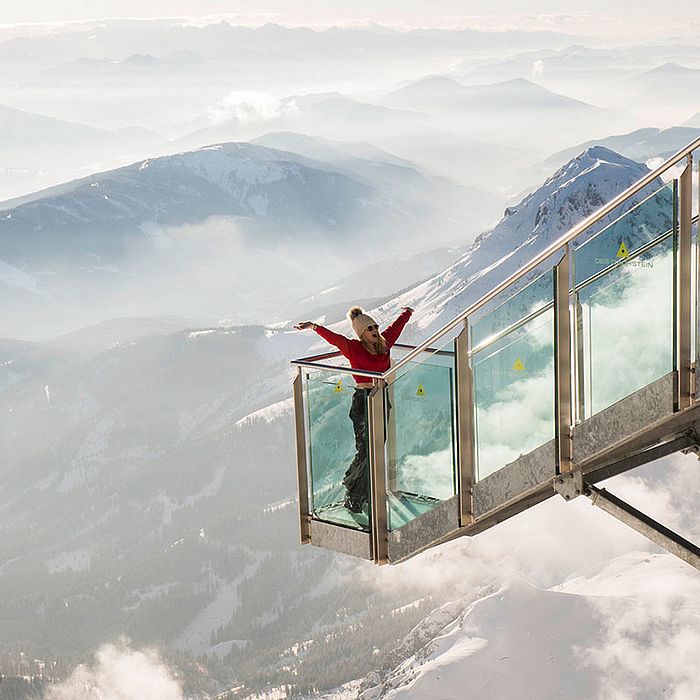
x: 574, y: 192
x: 620, y: 625
x: 562, y: 602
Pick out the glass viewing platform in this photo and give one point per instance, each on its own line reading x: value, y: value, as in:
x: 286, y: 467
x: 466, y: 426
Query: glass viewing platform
x: 580, y: 365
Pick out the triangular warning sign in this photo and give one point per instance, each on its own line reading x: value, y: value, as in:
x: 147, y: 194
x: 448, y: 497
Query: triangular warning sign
x: 339, y: 387
x: 622, y: 251
x: 420, y: 391
x: 518, y: 366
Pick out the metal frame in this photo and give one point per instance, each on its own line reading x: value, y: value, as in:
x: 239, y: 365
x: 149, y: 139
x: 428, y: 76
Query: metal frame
x: 302, y: 469
x: 578, y: 368
x: 377, y: 471
x: 465, y: 427
x: 684, y: 266
x: 562, y: 360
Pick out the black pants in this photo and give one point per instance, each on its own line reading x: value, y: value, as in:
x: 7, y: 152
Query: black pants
x: 356, y: 480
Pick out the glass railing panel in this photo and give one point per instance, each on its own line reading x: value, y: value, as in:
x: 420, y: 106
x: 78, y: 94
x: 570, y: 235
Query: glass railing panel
x: 513, y: 379
x: 651, y: 218
x: 516, y: 306
x: 420, y: 447
x: 626, y: 326
x: 337, y: 444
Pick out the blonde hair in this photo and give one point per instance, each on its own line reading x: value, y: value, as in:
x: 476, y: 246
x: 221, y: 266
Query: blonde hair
x: 381, y: 347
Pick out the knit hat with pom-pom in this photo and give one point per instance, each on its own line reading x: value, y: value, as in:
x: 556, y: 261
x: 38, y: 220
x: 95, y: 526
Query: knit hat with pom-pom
x: 360, y: 320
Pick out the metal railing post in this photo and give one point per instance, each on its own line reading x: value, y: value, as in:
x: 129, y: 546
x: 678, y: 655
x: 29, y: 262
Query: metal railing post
x: 562, y: 364
x: 580, y: 368
x: 391, y: 454
x: 302, y: 470
x: 683, y: 291
x: 377, y: 470
x: 464, y: 402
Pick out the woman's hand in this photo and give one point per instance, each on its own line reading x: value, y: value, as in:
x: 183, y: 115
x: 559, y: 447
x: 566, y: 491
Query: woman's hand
x: 303, y: 325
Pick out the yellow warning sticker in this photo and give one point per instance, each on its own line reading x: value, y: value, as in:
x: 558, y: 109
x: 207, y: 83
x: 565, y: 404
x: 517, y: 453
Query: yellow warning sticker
x: 420, y: 391
x: 622, y: 251
x: 518, y: 366
x: 339, y: 387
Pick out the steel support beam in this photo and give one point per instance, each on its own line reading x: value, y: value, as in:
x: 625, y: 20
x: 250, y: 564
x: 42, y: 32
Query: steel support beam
x: 620, y: 466
x: 302, y: 471
x: 377, y: 470
x: 562, y: 364
x: 643, y: 524
x: 685, y: 262
x: 465, y: 427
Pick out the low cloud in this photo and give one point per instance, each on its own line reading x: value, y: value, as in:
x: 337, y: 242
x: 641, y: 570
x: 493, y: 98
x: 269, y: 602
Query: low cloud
x: 119, y: 673
x: 250, y: 107
x: 649, y: 631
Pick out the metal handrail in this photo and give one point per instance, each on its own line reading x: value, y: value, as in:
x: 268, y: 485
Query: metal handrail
x: 548, y: 252
x: 313, y: 361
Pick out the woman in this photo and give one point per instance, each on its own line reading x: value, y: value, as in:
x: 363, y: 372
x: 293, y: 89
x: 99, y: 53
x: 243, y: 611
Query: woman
x: 370, y: 352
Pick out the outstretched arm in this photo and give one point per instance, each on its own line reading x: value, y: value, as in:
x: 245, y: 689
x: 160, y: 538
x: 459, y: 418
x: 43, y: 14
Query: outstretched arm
x: 393, y: 331
x: 340, y: 341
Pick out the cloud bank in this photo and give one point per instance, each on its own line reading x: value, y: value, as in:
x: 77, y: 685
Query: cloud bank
x: 119, y: 673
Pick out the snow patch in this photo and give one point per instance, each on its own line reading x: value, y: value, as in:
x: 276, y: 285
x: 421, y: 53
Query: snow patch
x: 78, y: 560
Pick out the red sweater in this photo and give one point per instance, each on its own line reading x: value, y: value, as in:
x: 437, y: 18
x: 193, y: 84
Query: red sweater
x: 361, y: 359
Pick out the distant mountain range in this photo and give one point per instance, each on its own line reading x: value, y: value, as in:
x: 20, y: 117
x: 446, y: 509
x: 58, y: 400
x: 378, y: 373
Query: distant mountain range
x: 411, y: 135
x: 37, y: 150
x: 515, y: 112
x: 440, y: 92
x: 122, y: 38
x: 640, y: 145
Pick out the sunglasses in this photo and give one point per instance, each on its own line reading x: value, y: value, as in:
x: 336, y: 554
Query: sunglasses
x: 372, y: 328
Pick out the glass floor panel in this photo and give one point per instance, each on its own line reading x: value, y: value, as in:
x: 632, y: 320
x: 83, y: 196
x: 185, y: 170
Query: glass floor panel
x: 338, y: 514
x: 404, y: 508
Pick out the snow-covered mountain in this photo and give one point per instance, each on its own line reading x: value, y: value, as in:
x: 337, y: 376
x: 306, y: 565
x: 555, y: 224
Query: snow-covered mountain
x: 403, y: 178
x: 610, y: 627
x: 255, y: 225
x: 570, y: 195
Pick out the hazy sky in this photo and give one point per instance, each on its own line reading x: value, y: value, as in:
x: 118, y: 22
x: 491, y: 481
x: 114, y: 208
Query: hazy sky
x: 581, y: 16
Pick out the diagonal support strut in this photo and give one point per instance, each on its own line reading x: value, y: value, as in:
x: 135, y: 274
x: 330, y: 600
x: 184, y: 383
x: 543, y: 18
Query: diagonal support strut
x: 656, y: 532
